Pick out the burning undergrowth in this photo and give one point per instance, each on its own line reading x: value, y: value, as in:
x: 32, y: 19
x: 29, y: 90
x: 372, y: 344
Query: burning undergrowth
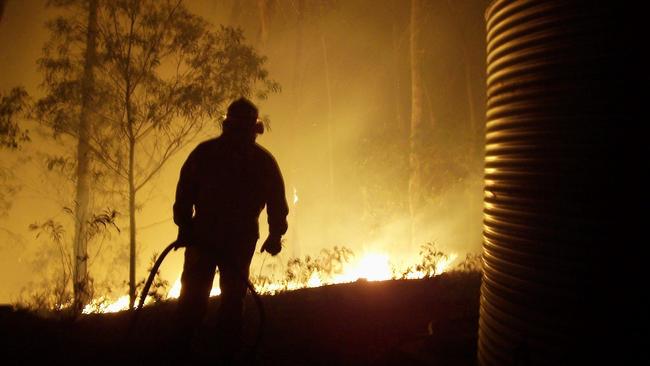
x: 331, y: 266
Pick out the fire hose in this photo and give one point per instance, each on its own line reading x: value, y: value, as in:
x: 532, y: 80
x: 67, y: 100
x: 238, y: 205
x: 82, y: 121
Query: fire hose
x: 154, y: 270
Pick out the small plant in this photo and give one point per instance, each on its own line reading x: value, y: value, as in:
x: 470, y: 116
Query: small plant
x: 299, y: 271
x: 54, y: 292
x: 430, y: 259
x: 46, y: 297
x: 159, y: 288
x: 333, y: 260
x: 473, y: 262
x: 329, y: 262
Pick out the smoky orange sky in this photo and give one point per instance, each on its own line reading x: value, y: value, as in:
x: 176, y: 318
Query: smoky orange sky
x: 344, y: 71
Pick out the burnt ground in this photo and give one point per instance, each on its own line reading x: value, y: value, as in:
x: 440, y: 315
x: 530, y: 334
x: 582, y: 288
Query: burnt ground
x: 401, y: 322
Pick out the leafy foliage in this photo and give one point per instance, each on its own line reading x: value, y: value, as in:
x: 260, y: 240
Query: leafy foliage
x: 159, y: 287
x: 430, y: 259
x: 99, y: 223
x: 329, y: 262
x: 8, y: 188
x: 12, y: 105
x: 161, y: 74
x: 473, y: 262
x: 46, y: 296
x: 54, y: 292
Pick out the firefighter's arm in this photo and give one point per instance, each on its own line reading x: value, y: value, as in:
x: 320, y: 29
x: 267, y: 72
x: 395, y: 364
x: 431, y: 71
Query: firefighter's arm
x: 277, y: 211
x: 186, y: 191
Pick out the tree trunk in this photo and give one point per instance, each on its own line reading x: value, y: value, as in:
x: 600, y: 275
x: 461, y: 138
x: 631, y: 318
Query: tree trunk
x: 467, y: 69
x: 263, y: 8
x: 82, y: 199
x: 132, y: 233
x: 130, y: 132
x: 235, y: 13
x: 402, y: 124
x: 417, y: 121
x: 473, y: 125
x: 132, y: 191
x: 2, y: 8
x: 397, y: 82
x: 330, y: 132
x: 297, y: 108
x: 330, y: 145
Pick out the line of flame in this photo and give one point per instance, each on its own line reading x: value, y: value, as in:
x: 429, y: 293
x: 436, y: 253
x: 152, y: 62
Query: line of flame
x: 370, y: 267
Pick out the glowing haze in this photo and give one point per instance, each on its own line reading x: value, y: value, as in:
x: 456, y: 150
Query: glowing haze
x: 339, y: 131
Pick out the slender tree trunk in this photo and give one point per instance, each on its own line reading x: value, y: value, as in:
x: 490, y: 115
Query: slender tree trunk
x: 328, y: 88
x: 263, y: 9
x: 235, y: 13
x: 130, y: 130
x: 132, y: 192
x: 297, y: 63
x: 2, y: 8
x: 132, y: 233
x: 467, y: 68
x: 330, y: 137
x: 82, y: 199
x: 473, y: 125
x: 417, y: 121
x: 402, y: 124
x: 297, y: 108
x: 397, y: 82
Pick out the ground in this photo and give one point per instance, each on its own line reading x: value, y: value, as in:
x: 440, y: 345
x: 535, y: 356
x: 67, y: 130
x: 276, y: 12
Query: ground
x: 431, y: 321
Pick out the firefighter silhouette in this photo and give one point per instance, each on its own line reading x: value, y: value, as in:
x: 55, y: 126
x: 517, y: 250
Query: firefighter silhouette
x: 224, y: 184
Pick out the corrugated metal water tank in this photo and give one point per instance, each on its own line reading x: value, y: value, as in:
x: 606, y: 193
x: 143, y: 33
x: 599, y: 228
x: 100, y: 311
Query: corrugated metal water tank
x: 562, y: 144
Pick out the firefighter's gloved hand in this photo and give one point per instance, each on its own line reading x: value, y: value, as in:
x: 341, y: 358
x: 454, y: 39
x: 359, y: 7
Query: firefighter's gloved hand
x: 184, y: 238
x: 272, y: 245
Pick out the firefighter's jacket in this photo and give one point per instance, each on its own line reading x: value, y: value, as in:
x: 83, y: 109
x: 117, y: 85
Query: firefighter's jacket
x: 223, y: 187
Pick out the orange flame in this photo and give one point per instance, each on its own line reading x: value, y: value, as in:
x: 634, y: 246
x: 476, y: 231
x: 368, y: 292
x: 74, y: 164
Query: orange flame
x: 373, y: 266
